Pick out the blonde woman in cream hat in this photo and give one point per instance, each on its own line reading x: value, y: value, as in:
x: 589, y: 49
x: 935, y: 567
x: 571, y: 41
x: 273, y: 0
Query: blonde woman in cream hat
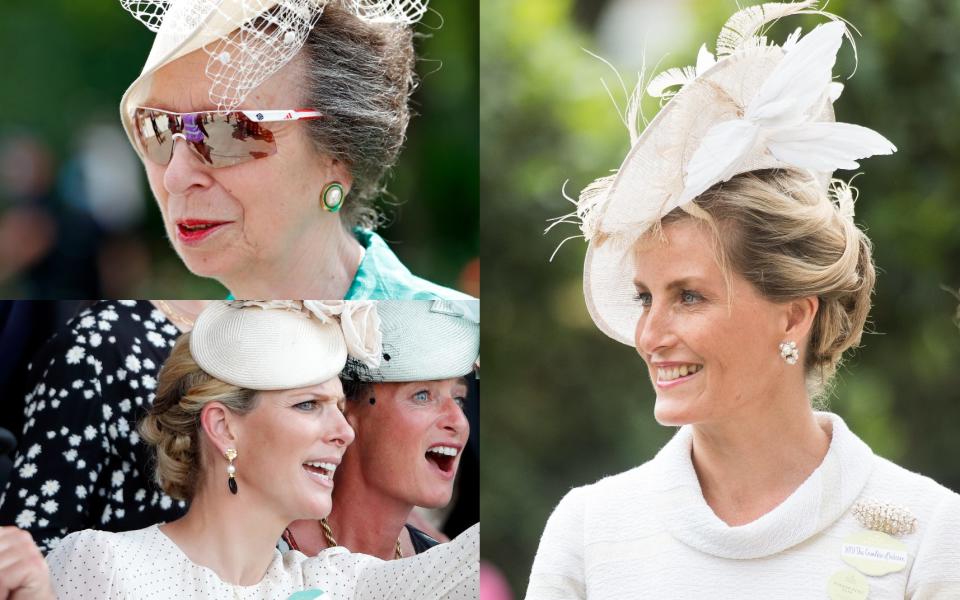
x: 266, y: 128
x: 247, y: 426
x: 722, y: 251
x: 408, y: 415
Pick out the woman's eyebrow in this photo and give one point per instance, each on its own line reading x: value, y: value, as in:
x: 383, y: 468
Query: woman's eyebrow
x: 683, y: 282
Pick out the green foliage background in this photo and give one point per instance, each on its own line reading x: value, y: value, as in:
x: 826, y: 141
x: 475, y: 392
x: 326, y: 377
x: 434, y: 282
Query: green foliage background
x: 565, y: 405
x: 69, y: 62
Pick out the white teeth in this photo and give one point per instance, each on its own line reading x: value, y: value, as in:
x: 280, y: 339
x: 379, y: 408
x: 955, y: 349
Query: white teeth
x: 671, y: 373
x: 445, y: 450
x: 328, y: 467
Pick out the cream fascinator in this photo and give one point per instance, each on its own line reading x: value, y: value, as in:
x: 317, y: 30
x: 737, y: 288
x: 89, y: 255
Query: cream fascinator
x: 247, y: 40
x: 753, y: 105
x: 284, y: 344
x: 424, y: 340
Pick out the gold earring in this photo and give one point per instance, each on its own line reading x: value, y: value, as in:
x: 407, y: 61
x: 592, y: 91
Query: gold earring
x: 331, y: 199
x: 231, y: 454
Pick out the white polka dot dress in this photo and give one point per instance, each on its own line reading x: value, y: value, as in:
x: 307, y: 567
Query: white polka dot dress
x: 80, y: 463
x: 145, y: 564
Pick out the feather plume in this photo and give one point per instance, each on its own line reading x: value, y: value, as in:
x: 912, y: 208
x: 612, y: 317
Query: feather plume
x: 844, y: 195
x: 800, y: 79
x: 717, y: 158
x: 677, y: 76
x: 825, y: 147
x: 748, y: 22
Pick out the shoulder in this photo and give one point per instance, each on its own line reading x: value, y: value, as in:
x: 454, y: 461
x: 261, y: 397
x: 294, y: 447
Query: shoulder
x: 101, y: 545
x: 614, y: 492
x: 937, y: 510
x: 383, y: 277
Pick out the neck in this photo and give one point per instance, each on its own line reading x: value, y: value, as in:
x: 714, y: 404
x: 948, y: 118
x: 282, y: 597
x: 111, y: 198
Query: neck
x: 747, y: 465
x: 232, y: 535
x: 323, y: 267
x: 364, y: 519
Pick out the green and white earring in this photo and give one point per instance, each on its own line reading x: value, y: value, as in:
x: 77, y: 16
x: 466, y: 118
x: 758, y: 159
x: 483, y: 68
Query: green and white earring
x: 332, y: 197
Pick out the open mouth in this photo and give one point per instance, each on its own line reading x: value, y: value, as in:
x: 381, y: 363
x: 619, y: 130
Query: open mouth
x: 444, y: 458
x: 320, y: 471
x: 675, y: 374
x: 194, y: 230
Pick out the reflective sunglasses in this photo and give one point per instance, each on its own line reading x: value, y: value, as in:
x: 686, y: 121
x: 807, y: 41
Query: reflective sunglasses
x: 221, y: 139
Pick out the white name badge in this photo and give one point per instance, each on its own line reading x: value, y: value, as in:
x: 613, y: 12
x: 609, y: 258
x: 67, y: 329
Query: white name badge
x: 847, y: 585
x: 874, y: 553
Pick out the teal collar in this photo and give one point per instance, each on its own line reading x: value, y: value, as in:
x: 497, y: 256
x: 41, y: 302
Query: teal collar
x: 381, y: 276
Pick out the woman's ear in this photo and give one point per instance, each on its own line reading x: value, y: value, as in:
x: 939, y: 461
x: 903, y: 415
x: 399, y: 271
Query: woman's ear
x: 219, y: 424
x: 338, y: 171
x: 800, y: 315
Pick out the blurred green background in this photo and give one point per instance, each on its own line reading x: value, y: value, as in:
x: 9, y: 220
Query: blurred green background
x: 71, y: 231
x: 566, y: 405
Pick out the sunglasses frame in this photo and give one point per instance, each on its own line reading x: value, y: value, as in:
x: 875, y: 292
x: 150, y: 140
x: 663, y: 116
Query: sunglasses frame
x: 200, y: 148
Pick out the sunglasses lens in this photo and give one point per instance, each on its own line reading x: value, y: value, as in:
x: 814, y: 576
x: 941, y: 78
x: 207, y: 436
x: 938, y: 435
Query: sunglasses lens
x: 233, y: 139
x: 155, y: 132
x: 220, y: 140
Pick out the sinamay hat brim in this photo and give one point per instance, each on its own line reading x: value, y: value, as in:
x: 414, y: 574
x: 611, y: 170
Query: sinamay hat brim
x: 266, y: 349
x: 181, y: 32
x: 425, y: 340
x: 652, y: 173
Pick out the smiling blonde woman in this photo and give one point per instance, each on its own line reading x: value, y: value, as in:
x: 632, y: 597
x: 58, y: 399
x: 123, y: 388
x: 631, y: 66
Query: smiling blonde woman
x: 723, y: 252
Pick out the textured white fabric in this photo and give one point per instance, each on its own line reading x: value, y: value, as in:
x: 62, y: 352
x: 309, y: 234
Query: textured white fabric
x: 648, y: 533
x: 146, y: 564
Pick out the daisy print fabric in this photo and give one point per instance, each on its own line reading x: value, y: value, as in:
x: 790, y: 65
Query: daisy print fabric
x: 80, y: 462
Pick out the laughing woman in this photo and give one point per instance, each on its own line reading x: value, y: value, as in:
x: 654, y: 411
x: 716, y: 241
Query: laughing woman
x: 410, y: 427
x: 721, y: 254
x: 266, y: 129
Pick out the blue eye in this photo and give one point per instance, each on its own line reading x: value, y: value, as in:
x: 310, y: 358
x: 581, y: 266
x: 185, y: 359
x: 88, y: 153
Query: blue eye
x: 461, y: 401
x: 688, y: 297
x: 307, y: 406
x: 644, y: 298
x: 422, y: 396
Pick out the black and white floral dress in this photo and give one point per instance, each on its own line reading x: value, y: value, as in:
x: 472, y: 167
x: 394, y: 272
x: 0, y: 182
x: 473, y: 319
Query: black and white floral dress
x: 80, y: 462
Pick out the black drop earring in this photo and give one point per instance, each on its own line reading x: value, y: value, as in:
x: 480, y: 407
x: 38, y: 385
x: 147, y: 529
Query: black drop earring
x: 231, y: 454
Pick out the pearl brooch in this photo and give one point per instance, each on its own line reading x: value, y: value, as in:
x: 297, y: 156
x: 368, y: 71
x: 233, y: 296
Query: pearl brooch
x: 885, y: 516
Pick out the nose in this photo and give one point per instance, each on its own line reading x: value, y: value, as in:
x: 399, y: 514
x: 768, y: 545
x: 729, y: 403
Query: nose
x: 340, y: 434
x: 453, y: 418
x: 654, y: 331
x: 186, y: 170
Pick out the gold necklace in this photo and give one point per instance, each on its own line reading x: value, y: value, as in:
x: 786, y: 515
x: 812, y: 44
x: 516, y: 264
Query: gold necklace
x: 174, y: 315
x: 328, y: 535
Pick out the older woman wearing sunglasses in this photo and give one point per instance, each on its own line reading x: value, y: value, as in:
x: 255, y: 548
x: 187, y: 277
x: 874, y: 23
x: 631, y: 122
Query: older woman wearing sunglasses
x: 266, y: 128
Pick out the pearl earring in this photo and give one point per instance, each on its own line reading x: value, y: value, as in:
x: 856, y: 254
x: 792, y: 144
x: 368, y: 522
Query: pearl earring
x: 788, y: 352
x: 331, y: 199
x: 231, y: 454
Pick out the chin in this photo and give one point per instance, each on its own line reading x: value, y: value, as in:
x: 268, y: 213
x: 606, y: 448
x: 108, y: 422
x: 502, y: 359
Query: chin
x: 671, y: 412
x: 316, y: 510
x: 199, y: 263
x: 435, y: 500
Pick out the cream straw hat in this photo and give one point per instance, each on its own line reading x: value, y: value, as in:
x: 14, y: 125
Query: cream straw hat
x: 755, y: 105
x: 424, y: 340
x: 244, y: 49
x: 284, y: 344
